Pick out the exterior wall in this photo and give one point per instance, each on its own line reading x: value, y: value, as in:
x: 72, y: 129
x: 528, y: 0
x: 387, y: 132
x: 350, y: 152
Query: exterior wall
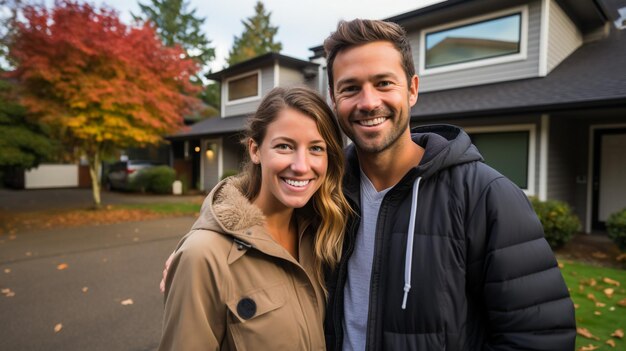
x: 267, y: 83
x: 232, y: 154
x: 51, y: 176
x: 486, y: 74
x: 289, y: 77
x: 561, y: 162
x: 210, y: 165
x: 563, y: 38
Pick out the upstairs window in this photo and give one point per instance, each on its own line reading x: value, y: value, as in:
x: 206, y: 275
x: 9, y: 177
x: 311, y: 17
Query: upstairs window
x: 476, y: 42
x: 243, y: 88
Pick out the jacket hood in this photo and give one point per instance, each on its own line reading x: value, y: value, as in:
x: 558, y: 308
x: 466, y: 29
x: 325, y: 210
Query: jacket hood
x: 226, y: 210
x: 444, y: 146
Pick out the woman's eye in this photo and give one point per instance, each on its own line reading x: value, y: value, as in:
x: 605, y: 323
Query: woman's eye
x: 282, y: 147
x: 317, y: 148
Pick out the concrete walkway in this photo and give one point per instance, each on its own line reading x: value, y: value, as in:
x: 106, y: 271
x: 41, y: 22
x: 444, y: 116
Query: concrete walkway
x: 47, y: 199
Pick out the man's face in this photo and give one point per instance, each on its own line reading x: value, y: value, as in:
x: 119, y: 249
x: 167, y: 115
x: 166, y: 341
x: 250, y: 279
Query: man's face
x: 372, y: 97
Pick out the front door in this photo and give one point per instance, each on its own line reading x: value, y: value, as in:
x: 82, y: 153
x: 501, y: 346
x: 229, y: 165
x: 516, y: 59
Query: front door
x: 609, y: 174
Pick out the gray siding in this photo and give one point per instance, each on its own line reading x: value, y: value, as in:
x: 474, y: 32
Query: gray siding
x: 232, y: 153
x: 563, y: 37
x: 289, y: 77
x: 561, y: 160
x: 267, y: 83
x: 486, y: 74
x: 210, y: 166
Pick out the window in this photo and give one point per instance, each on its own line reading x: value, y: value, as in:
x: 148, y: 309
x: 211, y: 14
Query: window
x: 243, y: 88
x: 480, y: 41
x: 510, y: 151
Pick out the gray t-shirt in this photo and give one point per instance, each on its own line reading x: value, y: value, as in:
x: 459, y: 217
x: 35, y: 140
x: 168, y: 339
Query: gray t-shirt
x: 357, y: 289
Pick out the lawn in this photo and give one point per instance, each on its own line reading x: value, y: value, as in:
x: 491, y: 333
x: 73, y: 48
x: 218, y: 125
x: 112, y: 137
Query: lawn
x: 183, y: 208
x: 599, y: 295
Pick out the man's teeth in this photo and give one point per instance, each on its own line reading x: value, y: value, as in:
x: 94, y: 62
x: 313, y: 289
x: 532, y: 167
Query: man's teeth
x: 372, y: 122
x: 298, y: 183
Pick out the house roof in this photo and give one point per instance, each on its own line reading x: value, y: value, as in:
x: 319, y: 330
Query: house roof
x: 212, y: 126
x: 592, y: 76
x: 261, y: 61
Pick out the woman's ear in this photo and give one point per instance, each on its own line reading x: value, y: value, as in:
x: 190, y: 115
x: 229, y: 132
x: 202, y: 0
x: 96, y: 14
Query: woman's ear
x: 253, y: 149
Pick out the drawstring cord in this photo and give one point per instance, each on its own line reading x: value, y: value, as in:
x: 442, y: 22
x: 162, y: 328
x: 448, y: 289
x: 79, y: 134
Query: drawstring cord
x: 408, y: 259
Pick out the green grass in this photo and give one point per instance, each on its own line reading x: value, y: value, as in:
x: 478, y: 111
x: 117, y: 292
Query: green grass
x: 184, y: 208
x: 583, y: 280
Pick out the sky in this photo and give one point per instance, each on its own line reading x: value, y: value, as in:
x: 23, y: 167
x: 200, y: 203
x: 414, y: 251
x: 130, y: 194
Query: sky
x: 302, y: 24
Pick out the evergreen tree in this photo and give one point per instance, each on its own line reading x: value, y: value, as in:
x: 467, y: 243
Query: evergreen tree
x: 257, y: 37
x: 176, y: 24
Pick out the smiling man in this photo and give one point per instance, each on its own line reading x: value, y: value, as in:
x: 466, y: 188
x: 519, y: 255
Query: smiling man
x: 446, y: 253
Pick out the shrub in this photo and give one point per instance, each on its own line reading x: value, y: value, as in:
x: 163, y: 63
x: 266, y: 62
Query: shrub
x: 559, y: 223
x: 616, y: 228
x: 157, y: 179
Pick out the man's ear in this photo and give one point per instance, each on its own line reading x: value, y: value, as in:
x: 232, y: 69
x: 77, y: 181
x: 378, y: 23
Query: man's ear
x: 253, y: 149
x: 413, y: 90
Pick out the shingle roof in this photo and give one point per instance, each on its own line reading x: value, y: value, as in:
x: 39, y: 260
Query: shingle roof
x: 594, y: 75
x: 212, y: 126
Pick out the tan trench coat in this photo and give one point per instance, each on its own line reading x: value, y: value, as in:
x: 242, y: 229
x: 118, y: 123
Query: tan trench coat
x: 232, y: 287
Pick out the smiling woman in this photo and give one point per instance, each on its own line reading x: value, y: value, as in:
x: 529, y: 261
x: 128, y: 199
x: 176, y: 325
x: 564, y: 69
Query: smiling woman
x: 249, y: 274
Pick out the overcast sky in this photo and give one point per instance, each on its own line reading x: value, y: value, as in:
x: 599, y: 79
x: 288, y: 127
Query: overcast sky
x: 302, y: 24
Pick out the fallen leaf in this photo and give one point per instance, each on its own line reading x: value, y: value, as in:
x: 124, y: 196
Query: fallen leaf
x: 611, y: 281
x: 619, y: 333
x: 85, y: 289
x: 611, y: 342
x: 7, y: 270
x: 621, y: 257
x: 591, y: 297
x: 62, y: 266
x: 600, y: 304
x: 609, y: 292
x: 5, y: 290
x: 589, y: 347
x: 576, y: 306
x: 58, y: 327
x: 561, y: 265
x: 612, y: 308
x: 593, y: 282
x: 622, y: 302
x: 597, y: 313
x: 584, y: 332
x: 10, y: 294
x: 127, y: 302
x: 29, y: 253
x: 135, y: 239
x: 599, y: 255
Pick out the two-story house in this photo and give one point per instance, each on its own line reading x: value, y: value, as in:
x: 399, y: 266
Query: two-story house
x: 540, y: 86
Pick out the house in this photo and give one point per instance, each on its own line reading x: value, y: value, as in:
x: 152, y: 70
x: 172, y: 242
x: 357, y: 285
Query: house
x: 540, y: 86
x: 210, y: 149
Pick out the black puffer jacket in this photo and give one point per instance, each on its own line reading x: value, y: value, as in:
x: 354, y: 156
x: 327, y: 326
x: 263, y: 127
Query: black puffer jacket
x: 482, y: 275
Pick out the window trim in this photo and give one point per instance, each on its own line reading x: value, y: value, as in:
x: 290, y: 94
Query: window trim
x: 246, y: 99
x: 521, y: 55
x: 532, y: 139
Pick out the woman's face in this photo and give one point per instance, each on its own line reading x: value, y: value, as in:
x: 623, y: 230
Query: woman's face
x: 293, y: 159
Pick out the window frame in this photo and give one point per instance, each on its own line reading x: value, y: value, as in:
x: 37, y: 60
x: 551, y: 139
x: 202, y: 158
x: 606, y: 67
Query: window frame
x: 521, y: 55
x: 532, y: 139
x: 246, y: 99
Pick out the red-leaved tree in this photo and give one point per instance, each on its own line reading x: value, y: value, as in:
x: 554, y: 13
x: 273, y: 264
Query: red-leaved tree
x: 100, y: 84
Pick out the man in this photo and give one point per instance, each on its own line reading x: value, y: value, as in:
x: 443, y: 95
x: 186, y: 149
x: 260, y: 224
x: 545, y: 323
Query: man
x: 447, y: 254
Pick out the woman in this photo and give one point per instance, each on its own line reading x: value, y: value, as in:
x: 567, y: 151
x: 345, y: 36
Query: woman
x: 249, y: 274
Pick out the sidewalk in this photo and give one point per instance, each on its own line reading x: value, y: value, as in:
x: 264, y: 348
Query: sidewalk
x: 59, y: 199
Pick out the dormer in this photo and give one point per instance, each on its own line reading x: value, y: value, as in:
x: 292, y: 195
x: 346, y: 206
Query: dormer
x: 243, y: 85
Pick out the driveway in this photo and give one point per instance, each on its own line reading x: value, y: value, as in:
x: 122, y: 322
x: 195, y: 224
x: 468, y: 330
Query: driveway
x: 34, y: 200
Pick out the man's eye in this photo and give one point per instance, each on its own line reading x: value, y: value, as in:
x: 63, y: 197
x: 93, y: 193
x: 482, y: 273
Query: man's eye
x: 385, y: 83
x: 349, y: 89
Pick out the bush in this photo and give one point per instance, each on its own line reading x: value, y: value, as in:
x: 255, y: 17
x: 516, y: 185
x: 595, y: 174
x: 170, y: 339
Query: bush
x: 616, y: 228
x: 157, y: 179
x: 559, y: 223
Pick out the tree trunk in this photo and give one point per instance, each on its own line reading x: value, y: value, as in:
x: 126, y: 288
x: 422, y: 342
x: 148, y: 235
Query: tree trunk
x: 94, y: 171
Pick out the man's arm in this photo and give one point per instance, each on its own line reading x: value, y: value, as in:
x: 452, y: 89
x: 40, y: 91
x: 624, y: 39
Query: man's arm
x: 528, y: 306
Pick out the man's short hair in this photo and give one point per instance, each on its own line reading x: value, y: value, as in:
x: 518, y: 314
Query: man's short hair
x: 363, y: 31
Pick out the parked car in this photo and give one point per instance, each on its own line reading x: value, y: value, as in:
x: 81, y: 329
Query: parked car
x: 121, y: 174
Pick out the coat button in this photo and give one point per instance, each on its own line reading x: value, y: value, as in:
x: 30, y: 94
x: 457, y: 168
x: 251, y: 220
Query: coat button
x: 246, y: 308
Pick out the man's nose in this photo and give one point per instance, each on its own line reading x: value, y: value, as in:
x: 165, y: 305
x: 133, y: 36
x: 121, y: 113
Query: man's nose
x: 369, y: 99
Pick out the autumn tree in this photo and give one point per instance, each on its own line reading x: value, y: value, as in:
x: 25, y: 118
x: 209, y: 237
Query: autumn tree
x: 99, y: 84
x: 257, y: 37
